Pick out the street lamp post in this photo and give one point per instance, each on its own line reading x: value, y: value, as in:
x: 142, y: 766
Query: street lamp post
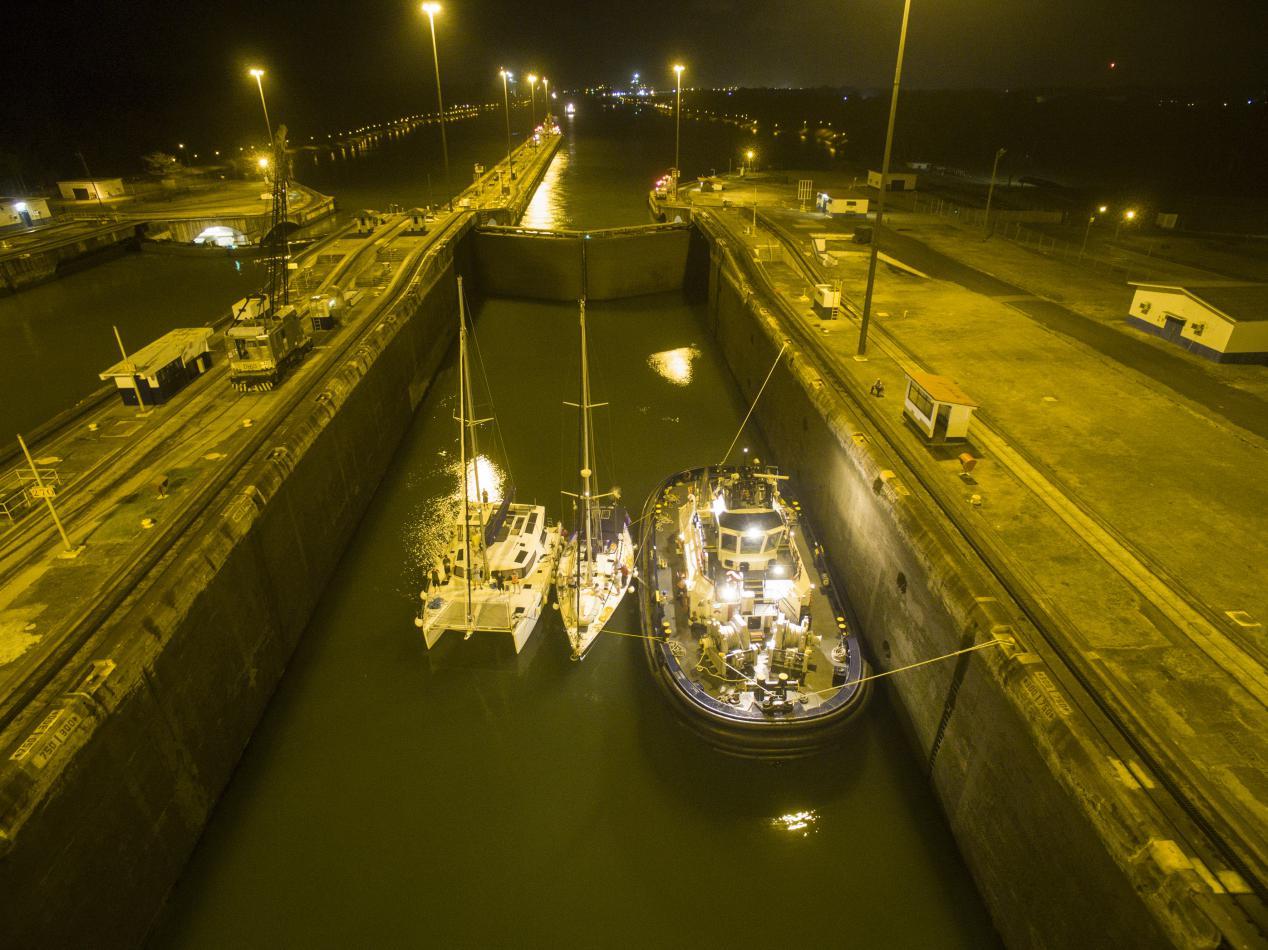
x: 546, y: 97
x: 1128, y: 216
x: 258, y: 75
x: 990, y: 192
x: 678, y: 68
x: 532, y: 103
x: 431, y: 9
x: 1088, y: 230
x: 880, y: 203
x: 748, y: 158
x: 506, y: 101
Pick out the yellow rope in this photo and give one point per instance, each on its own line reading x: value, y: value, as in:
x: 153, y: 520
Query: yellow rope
x: 858, y: 682
x: 636, y: 636
x: 912, y: 666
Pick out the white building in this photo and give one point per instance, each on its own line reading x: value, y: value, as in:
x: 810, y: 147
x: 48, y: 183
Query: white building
x: 1224, y: 321
x: 23, y: 211
x: 91, y: 189
x: 841, y: 204
x: 898, y: 181
x: 937, y: 407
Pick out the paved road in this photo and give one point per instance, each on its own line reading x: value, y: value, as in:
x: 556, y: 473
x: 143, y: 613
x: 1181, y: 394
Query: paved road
x: 1241, y: 408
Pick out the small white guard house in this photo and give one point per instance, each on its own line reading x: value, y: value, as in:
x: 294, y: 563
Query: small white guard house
x: 163, y: 367
x: 1224, y: 321
x: 937, y: 407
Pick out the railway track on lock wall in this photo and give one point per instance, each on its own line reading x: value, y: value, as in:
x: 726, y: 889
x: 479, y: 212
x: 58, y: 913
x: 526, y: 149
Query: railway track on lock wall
x: 92, y: 405
x: 28, y: 535
x: 1176, y: 801
x: 95, y: 406
x: 124, y: 581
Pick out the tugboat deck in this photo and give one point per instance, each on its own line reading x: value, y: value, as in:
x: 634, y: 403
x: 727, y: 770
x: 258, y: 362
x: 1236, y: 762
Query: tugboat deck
x: 826, y: 618
x: 746, y: 632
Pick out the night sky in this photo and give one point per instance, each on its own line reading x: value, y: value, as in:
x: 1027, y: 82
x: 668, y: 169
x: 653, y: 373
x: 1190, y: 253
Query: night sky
x: 151, y: 72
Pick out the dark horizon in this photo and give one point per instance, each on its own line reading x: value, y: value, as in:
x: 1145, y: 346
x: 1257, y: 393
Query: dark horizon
x: 157, y: 74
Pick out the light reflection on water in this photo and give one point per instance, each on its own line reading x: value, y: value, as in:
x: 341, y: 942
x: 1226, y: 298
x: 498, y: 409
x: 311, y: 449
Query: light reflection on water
x: 430, y: 524
x: 675, y: 365
x: 801, y: 823
x: 548, y: 210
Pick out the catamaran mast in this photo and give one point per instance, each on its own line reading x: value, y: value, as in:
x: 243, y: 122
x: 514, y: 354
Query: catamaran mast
x: 475, y: 448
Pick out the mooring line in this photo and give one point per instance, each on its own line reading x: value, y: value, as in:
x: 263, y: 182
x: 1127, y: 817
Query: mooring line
x: 911, y: 666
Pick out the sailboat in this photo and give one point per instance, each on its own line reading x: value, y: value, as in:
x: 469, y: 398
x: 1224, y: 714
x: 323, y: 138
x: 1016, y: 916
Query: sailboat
x: 598, y: 559
x: 495, y: 573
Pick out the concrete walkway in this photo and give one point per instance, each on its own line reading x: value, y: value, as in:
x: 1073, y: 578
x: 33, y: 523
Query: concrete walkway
x: 1165, y: 366
x: 1137, y: 518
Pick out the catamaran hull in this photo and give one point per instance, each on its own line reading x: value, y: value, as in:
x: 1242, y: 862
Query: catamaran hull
x: 519, y: 633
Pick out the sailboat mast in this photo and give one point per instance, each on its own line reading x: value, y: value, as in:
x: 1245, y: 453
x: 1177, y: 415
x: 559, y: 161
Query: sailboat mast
x: 462, y: 443
x: 587, y: 472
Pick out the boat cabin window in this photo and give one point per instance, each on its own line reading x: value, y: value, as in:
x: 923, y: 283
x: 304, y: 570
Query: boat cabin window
x: 532, y: 524
x: 459, y: 572
x: 519, y: 558
x: 730, y: 542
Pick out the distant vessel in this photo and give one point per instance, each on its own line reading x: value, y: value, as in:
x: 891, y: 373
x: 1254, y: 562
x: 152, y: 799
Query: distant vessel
x: 598, y: 559
x: 744, y: 628
x: 495, y: 573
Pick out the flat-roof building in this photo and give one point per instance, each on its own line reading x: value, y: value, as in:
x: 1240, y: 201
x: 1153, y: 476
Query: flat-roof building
x: 23, y: 212
x: 161, y: 368
x: 1224, y: 321
x: 898, y: 181
x: 92, y: 189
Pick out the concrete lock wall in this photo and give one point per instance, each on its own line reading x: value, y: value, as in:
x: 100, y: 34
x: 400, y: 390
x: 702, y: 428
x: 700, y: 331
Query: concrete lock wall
x: 1060, y: 855
x: 626, y: 262
x: 104, y: 839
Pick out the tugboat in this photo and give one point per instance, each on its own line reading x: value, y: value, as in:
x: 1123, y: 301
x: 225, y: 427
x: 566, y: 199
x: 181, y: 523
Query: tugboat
x: 743, y: 626
x: 495, y: 573
x: 598, y: 559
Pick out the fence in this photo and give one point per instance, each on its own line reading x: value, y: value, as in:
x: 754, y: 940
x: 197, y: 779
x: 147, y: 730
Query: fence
x: 1010, y: 225
x: 15, y: 490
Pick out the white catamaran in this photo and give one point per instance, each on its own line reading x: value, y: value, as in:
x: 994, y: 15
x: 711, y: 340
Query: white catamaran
x: 495, y: 573
x: 598, y: 560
